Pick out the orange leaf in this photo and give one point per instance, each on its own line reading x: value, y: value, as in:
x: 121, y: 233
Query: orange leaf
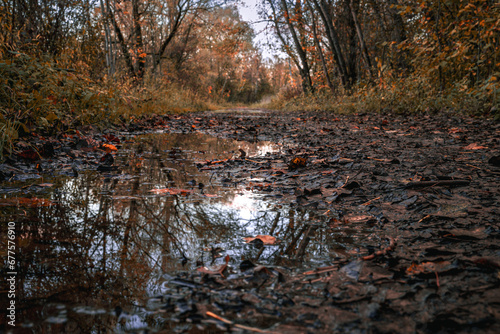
x: 297, y: 162
x: 427, y: 267
x: 266, y: 239
x: 171, y: 191
x: 474, y: 146
x: 26, y: 202
x: 109, y: 147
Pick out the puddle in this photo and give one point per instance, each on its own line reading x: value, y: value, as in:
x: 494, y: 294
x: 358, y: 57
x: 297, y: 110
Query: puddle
x: 96, y: 249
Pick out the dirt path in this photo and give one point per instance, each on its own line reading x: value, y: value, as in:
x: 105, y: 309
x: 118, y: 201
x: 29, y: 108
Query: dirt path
x: 420, y: 188
x: 411, y: 202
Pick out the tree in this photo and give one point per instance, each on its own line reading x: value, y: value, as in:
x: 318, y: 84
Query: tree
x: 288, y: 20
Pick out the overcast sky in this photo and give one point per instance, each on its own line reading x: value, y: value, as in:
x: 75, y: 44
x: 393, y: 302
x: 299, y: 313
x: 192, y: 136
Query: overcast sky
x: 248, y: 12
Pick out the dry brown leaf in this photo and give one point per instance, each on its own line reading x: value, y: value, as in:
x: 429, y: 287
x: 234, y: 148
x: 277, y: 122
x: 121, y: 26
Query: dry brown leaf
x: 25, y: 202
x: 474, y: 146
x: 266, y: 239
x: 217, y: 270
x: 427, y: 267
x: 171, y: 191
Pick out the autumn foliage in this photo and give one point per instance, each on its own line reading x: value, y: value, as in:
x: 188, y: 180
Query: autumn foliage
x: 64, y: 64
x: 405, y: 56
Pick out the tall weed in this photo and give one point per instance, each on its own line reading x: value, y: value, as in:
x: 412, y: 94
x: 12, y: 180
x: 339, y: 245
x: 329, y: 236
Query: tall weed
x: 403, y: 95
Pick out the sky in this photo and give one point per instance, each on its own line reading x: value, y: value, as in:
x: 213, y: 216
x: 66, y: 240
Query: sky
x: 248, y: 12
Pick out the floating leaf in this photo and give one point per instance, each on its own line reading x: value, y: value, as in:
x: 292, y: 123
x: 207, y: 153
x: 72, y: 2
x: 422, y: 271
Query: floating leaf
x: 266, y: 239
x: 217, y: 270
x: 109, y: 147
x: 171, y: 191
x: 25, y: 202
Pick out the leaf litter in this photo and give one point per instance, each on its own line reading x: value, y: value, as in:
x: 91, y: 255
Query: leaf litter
x: 405, y: 222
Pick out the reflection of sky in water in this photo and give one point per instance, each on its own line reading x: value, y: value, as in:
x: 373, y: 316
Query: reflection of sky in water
x: 109, y: 232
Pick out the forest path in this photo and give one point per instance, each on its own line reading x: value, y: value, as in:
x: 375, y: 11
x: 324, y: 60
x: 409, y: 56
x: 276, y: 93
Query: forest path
x: 328, y: 222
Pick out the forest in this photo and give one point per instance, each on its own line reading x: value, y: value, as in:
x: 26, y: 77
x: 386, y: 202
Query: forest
x: 65, y: 63
x: 167, y: 166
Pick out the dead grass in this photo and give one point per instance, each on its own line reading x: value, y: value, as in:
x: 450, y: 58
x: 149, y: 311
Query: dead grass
x: 38, y: 96
x: 398, y: 95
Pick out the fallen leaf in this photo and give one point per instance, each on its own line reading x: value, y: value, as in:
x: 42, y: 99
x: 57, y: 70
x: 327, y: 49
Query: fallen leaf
x: 111, y: 138
x: 171, y: 191
x: 427, y: 267
x: 297, y: 162
x: 266, y: 239
x: 109, y: 147
x: 25, y: 202
x: 474, y: 146
x: 29, y: 154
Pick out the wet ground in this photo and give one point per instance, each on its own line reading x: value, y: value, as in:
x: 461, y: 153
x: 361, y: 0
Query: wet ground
x: 258, y: 222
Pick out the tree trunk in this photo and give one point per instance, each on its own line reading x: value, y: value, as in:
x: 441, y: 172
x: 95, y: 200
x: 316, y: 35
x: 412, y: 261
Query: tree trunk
x: 138, y: 45
x: 399, y: 32
x: 362, y: 44
x: 121, y: 40
x: 304, y: 70
x: 333, y: 39
x: 107, y: 39
x: 177, y: 22
x: 320, y: 51
x: 352, y: 49
x: 282, y: 39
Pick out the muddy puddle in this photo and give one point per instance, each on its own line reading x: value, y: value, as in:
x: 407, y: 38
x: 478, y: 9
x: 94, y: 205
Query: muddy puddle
x: 95, y: 248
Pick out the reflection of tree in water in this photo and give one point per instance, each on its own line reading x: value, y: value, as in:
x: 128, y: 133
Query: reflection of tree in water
x: 107, y: 236
x: 109, y: 239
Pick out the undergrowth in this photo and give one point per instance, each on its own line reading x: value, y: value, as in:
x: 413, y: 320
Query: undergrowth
x: 40, y: 96
x: 397, y: 95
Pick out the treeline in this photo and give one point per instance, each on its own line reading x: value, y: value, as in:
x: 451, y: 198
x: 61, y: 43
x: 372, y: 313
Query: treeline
x: 69, y: 63
x: 198, y: 44
x: 417, y: 54
x: 64, y: 63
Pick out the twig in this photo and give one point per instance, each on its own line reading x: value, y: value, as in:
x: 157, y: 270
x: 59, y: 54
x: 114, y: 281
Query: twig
x: 229, y: 322
x: 345, y: 181
x: 426, y: 217
x: 380, y: 160
x: 370, y: 201
x: 321, y: 270
x: 392, y: 244
x: 424, y: 184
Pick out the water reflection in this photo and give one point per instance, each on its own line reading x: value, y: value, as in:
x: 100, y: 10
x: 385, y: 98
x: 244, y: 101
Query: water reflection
x: 92, y: 261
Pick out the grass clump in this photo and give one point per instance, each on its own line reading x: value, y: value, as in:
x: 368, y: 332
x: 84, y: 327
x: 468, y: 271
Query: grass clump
x: 401, y: 95
x: 39, y: 95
